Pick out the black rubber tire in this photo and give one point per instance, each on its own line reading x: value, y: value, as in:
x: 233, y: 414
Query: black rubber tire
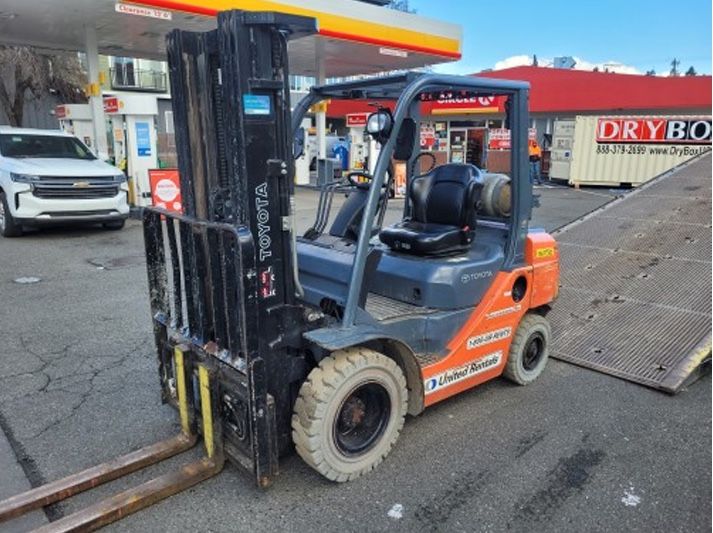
x: 8, y: 226
x: 532, y: 328
x: 115, y: 224
x: 318, y: 406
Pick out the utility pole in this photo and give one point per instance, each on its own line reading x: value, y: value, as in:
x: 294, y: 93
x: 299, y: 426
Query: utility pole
x: 674, y: 67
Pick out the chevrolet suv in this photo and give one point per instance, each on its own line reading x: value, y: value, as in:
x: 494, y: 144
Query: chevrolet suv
x: 51, y: 177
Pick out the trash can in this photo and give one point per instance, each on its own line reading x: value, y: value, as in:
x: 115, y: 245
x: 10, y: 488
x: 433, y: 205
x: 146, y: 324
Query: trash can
x: 327, y: 168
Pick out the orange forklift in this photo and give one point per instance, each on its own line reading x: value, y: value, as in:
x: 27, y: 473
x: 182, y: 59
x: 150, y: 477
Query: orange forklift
x: 268, y: 341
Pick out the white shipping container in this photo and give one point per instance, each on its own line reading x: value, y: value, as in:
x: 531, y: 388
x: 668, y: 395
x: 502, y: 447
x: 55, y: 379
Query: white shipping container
x: 615, y: 150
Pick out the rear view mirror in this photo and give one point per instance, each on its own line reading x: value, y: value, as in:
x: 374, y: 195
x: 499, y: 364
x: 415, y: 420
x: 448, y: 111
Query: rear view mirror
x: 379, y: 125
x: 298, y: 144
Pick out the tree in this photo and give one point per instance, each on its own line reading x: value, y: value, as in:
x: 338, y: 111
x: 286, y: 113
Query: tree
x: 691, y: 71
x: 674, y: 67
x: 401, y: 5
x: 28, y: 74
x: 595, y: 69
x: 651, y: 72
x: 534, y: 60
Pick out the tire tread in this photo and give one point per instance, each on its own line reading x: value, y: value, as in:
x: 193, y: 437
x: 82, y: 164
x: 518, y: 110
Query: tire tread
x: 313, y: 400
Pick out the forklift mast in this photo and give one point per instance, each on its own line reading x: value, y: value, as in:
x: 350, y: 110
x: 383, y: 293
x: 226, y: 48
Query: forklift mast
x: 231, y: 102
x: 222, y: 275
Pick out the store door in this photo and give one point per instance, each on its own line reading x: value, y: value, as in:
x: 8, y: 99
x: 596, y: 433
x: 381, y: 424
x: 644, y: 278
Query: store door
x: 458, y: 141
x: 475, y: 152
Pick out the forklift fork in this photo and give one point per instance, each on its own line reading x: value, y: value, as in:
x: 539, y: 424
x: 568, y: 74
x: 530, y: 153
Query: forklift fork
x: 134, y: 499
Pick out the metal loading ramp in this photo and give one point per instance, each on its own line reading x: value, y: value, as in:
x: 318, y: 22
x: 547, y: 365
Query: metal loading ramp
x: 635, y: 296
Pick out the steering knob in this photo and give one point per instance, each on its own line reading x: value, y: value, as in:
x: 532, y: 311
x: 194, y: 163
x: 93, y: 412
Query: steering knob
x: 354, y: 175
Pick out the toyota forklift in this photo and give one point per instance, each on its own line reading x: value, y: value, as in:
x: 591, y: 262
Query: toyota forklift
x: 268, y: 341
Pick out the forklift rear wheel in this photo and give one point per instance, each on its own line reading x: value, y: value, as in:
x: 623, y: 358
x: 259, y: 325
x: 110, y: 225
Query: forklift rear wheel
x: 529, y: 350
x: 349, y: 413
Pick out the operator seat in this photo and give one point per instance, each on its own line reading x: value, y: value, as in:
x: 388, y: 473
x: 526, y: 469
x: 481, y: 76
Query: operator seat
x: 443, y: 207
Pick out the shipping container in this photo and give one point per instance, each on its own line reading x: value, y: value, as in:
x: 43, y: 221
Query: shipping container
x: 630, y: 150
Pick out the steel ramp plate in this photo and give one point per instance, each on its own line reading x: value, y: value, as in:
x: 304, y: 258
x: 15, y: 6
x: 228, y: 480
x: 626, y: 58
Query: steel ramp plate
x: 635, y: 297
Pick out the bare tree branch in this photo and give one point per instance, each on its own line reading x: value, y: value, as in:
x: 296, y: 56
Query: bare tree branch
x: 28, y: 74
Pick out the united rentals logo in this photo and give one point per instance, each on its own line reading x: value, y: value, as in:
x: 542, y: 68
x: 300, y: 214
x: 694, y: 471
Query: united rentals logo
x: 487, y: 338
x: 468, y: 370
x: 654, y: 130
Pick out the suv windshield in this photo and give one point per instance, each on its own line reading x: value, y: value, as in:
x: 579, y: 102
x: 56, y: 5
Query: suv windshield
x: 31, y: 145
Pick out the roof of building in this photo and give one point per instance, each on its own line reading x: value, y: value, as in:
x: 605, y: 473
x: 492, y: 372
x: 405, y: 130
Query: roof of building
x: 555, y: 90
x: 575, y: 91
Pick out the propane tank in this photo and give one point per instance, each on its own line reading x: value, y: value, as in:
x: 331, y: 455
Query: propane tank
x: 495, y: 198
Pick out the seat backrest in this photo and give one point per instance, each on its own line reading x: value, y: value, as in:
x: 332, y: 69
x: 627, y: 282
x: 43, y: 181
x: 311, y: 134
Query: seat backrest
x: 448, y: 195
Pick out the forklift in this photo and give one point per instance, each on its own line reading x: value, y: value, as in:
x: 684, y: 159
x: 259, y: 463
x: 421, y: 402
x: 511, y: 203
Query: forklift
x: 268, y: 341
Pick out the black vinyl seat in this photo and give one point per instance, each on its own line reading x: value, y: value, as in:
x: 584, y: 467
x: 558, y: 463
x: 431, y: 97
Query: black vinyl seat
x: 444, y: 203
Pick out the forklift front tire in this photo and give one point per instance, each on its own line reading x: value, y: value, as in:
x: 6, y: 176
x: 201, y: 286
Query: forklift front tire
x: 349, y: 413
x: 529, y: 350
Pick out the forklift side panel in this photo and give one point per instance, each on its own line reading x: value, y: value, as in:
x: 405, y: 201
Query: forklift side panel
x: 479, y: 351
x: 542, y: 253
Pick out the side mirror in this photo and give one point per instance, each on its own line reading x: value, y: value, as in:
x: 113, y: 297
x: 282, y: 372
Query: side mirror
x: 379, y: 125
x: 298, y: 144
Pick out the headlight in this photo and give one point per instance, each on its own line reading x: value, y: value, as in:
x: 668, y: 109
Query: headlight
x: 119, y: 178
x: 24, y: 178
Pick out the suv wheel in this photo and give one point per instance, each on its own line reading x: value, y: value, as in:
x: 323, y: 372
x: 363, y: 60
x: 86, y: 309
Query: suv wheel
x: 115, y: 224
x: 8, y: 226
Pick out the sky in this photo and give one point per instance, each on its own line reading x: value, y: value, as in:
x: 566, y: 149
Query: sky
x: 637, y: 35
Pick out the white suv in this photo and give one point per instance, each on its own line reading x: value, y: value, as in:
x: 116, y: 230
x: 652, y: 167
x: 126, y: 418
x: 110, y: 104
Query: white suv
x: 49, y: 176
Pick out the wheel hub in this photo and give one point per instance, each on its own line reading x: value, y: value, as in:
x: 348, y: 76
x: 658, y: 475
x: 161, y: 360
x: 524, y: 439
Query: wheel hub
x: 353, y: 412
x: 533, y: 351
x: 362, y: 419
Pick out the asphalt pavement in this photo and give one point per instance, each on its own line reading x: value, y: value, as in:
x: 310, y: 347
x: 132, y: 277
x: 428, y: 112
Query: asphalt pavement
x: 576, y: 451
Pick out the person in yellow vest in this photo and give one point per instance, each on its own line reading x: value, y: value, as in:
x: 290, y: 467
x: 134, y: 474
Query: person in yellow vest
x: 535, y: 158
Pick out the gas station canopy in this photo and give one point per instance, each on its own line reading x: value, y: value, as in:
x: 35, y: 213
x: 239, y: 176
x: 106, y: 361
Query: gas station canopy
x: 354, y: 37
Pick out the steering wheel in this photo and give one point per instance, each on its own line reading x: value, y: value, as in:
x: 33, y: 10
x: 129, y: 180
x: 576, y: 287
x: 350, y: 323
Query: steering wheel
x: 352, y: 179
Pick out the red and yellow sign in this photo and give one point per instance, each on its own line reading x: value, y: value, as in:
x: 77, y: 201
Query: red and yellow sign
x: 456, y: 104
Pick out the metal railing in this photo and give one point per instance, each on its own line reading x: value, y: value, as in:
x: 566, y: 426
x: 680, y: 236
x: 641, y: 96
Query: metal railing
x: 138, y: 80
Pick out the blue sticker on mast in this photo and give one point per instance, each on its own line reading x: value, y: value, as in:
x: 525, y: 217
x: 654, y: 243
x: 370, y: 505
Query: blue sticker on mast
x: 256, y: 104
